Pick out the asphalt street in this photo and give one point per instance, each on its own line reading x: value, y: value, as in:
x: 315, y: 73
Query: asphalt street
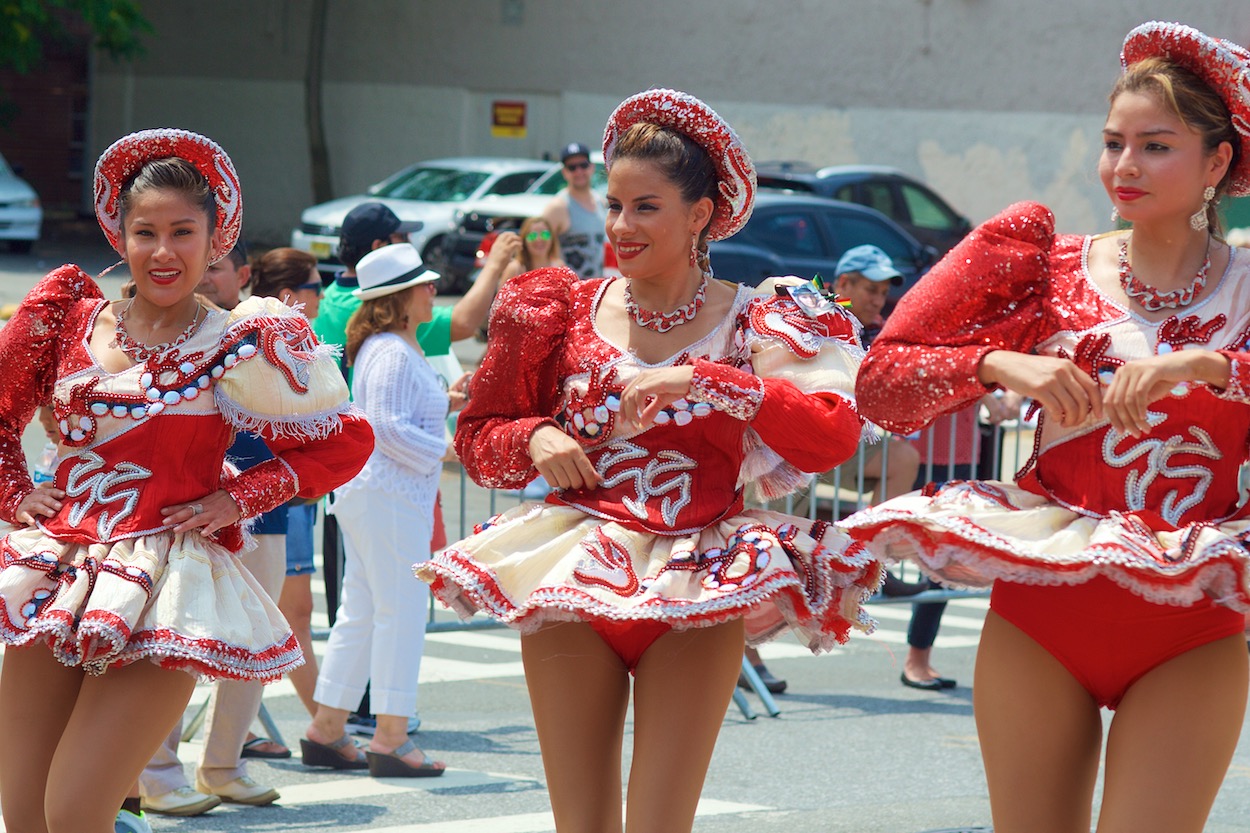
x: 852, y: 751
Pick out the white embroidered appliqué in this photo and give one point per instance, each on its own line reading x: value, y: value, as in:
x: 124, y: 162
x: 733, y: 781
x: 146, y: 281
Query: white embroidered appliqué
x: 645, y: 479
x: 88, y: 478
x: 1158, y: 452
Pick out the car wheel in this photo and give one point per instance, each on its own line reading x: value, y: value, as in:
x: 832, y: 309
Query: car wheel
x: 22, y: 247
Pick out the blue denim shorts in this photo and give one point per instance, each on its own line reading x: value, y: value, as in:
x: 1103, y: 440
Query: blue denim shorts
x: 299, y: 539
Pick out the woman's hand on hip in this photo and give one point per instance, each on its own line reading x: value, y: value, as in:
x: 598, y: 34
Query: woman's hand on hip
x: 1066, y: 392
x: 43, y: 501
x: 208, y: 514
x: 653, y: 390
x: 561, y: 461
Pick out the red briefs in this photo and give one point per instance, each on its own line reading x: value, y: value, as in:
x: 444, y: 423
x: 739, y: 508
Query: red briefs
x: 1106, y: 636
x: 629, y: 640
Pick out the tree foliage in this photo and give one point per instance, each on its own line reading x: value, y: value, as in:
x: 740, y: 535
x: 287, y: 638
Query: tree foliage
x: 28, y: 26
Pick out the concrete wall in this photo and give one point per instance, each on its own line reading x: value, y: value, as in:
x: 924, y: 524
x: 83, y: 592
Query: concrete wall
x: 989, y: 100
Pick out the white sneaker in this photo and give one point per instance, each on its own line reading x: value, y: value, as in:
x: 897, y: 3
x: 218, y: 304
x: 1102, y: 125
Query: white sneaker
x: 182, y: 801
x: 242, y: 790
x: 128, y: 822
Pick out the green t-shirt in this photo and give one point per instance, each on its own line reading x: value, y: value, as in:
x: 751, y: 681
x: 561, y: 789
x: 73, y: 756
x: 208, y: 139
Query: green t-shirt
x: 338, y: 303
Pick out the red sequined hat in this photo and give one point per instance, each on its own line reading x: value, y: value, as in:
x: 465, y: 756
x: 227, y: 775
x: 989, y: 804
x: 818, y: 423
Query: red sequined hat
x: 1224, y: 65
x: 122, y: 161
x: 687, y: 114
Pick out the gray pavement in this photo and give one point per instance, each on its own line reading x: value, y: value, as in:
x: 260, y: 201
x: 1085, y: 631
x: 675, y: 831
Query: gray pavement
x: 852, y: 752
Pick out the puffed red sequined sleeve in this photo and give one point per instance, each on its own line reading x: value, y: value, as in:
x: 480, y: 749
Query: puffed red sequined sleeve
x: 302, y: 468
x: 988, y: 293
x: 28, y: 355
x: 517, y: 387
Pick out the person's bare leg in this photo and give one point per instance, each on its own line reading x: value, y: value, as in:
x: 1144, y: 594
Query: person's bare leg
x: 37, y: 695
x: 1040, y: 735
x: 1172, y: 740
x: 682, y: 689
x: 392, y: 733
x: 296, y: 604
x: 917, y: 666
x: 102, y: 755
x: 579, y: 690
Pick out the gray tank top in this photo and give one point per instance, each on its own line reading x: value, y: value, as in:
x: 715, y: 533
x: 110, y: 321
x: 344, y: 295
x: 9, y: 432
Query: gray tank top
x: 582, y: 245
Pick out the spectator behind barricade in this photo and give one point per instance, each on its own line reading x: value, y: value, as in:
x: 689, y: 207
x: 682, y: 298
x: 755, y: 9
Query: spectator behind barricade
x: 386, y: 515
x: 863, y: 277
x: 291, y: 276
x: 222, y: 774
x: 576, y: 215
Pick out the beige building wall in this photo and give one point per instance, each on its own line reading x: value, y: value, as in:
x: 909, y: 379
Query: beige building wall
x: 990, y: 101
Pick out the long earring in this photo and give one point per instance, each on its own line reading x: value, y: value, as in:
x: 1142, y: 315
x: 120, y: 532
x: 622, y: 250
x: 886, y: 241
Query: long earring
x: 1115, y: 216
x: 705, y: 262
x: 694, y: 250
x: 1198, y: 220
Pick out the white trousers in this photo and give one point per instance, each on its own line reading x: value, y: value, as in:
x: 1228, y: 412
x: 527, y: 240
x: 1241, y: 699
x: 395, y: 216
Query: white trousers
x: 379, y: 631
x: 234, y: 703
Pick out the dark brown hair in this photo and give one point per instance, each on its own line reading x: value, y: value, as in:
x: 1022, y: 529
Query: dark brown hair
x: 1191, y: 100
x: 175, y: 174
x: 279, y: 269
x: 377, y: 315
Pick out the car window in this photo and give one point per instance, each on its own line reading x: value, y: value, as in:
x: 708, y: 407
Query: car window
x: 925, y: 211
x: 511, y: 184
x: 846, y: 193
x: 550, y: 183
x: 789, y: 233
x: 849, y: 231
x: 433, y: 184
x: 879, y: 195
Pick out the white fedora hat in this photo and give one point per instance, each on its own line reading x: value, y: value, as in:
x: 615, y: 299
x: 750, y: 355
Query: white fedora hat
x: 390, y: 269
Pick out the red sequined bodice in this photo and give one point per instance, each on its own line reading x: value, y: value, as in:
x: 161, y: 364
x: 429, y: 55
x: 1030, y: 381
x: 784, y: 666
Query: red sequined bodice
x: 1034, y: 293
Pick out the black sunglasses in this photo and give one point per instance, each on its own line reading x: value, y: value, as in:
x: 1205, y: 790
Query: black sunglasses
x: 576, y: 166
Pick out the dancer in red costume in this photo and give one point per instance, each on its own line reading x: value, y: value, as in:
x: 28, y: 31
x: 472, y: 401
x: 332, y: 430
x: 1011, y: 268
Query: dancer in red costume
x: 1119, y: 557
x: 649, y: 423
x: 129, y: 554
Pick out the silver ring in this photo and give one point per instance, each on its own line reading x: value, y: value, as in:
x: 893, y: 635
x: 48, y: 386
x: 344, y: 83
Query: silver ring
x: 197, y: 508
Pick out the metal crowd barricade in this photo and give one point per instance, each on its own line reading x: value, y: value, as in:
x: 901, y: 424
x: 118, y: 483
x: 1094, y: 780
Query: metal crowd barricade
x: 1003, y: 449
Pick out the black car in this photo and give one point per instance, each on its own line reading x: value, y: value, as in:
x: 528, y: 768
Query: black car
x: 805, y: 236
x: 911, y: 204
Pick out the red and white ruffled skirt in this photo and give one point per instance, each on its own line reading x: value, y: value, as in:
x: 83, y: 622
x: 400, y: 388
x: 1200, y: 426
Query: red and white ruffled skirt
x: 180, y: 600
x: 541, y: 563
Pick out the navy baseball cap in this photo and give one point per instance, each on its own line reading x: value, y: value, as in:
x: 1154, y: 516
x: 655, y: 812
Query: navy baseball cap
x: 869, y: 261
x: 371, y: 221
x: 574, y: 149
